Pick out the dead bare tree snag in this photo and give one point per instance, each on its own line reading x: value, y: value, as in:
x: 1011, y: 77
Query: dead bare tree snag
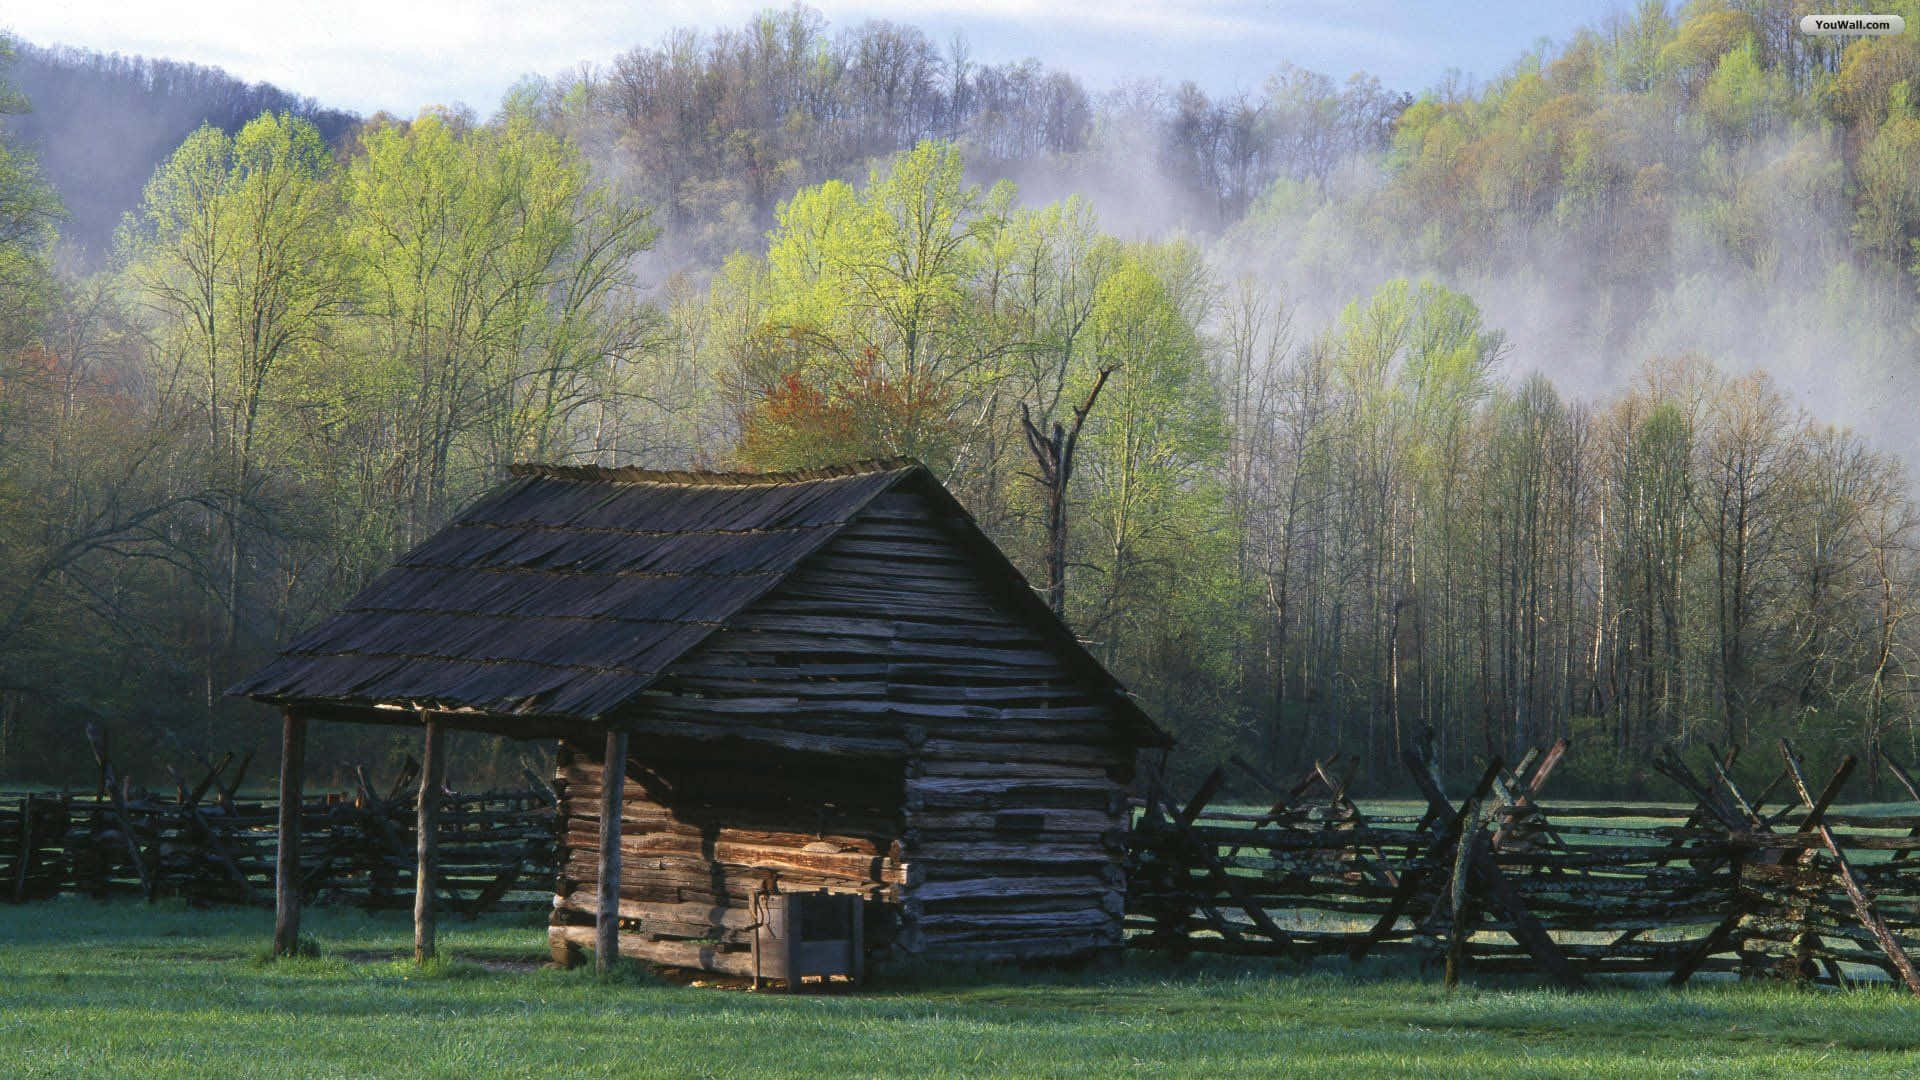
x: 1053, y: 454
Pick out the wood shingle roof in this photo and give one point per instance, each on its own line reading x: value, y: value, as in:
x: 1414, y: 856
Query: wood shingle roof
x: 569, y: 590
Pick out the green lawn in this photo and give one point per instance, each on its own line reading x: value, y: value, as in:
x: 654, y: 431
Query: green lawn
x: 90, y: 989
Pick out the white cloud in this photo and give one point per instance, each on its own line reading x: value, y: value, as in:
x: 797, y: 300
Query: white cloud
x: 402, y: 54
x: 368, y: 54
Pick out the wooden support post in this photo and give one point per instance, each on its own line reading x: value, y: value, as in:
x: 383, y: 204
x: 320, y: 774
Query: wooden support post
x: 286, y: 882
x: 427, y: 832
x: 613, y: 784
x: 859, y: 944
x: 24, y: 864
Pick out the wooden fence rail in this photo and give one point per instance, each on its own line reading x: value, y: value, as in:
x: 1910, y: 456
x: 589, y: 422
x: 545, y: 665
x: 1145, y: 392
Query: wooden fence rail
x: 1503, y: 882
x: 496, y: 848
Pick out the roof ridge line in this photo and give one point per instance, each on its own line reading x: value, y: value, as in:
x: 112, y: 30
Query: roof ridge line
x: 633, y: 474
x: 608, y: 530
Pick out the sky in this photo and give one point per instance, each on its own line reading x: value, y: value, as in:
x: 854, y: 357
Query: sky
x: 401, y: 55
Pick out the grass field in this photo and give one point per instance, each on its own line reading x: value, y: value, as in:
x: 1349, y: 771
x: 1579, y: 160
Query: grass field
x: 123, y: 989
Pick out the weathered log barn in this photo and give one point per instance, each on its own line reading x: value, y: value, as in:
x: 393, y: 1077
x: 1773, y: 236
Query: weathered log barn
x: 827, y: 681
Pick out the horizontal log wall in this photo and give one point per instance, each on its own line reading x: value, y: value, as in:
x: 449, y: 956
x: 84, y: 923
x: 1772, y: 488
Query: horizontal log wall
x: 496, y: 849
x: 709, y: 831
x: 894, y: 643
x: 1016, y: 802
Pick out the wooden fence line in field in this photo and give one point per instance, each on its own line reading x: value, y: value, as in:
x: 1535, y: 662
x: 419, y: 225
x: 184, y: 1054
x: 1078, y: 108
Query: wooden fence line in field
x: 207, y: 844
x: 1502, y: 882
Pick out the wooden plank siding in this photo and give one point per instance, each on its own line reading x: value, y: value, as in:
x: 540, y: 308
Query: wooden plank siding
x: 947, y: 760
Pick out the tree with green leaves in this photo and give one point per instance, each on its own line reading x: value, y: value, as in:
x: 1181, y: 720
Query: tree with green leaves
x: 495, y: 275
x: 29, y: 210
x: 870, y: 294
x: 1152, y: 449
x: 235, y: 257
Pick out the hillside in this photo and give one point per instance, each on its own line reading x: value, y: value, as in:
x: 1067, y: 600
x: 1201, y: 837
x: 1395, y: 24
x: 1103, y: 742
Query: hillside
x: 1574, y: 403
x: 101, y: 124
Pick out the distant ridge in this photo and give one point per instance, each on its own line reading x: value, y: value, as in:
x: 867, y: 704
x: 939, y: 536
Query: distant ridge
x: 101, y: 123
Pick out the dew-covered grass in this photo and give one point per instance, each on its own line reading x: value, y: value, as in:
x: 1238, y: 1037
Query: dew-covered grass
x: 127, y: 989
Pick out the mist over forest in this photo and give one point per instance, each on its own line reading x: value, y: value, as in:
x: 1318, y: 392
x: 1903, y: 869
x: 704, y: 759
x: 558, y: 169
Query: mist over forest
x: 1578, y: 402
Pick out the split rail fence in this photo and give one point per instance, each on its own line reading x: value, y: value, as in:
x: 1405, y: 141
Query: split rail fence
x: 207, y: 843
x: 1777, y: 884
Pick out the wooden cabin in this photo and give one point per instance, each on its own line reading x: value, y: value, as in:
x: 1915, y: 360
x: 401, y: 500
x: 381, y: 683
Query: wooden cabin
x: 824, y: 684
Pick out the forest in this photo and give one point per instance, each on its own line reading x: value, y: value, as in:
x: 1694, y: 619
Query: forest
x: 1576, y: 402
